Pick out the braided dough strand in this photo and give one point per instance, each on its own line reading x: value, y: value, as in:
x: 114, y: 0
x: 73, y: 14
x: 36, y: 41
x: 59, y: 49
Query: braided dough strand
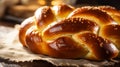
x: 63, y: 31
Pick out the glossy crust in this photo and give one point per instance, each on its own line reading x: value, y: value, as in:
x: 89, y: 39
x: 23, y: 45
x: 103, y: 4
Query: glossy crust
x: 62, y: 10
x: 24, y: 27
x: 43, y: 17
x: 96, y: 15
x: 69, y: 27
x: 99, y: 48
x: 114, y: 13
x: 63, y: 31
x: 111, y: 11
x: 112, y: 32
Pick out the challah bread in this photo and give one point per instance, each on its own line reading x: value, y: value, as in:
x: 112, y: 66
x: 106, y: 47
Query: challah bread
x: 65, y: 32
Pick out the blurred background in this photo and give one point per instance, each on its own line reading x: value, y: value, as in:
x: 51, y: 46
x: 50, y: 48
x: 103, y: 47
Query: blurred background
x: 18, y: 10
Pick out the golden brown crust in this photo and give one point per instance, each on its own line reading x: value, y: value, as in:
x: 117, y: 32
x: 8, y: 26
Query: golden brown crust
x: 70, y: 26
x: 66, y: 47
x: 32, y: 40
x: 100, y: 17
x: 43, y: 17
x: 98, y: 47
x: 65, y: 32
x: 26, y: 24
x: 114, y: 13
x: 62, y: 10
x: 111, y: 11
x: 112, y: 32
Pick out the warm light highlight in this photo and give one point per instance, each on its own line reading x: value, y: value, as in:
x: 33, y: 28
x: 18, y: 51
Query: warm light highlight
x: 56, y: 2
x: 42, y: 2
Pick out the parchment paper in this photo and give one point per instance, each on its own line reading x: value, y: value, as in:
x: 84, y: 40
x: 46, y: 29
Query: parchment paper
x: 11, y: 48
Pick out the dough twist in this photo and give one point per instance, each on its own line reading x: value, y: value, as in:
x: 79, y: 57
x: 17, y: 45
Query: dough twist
x: 63, y: 31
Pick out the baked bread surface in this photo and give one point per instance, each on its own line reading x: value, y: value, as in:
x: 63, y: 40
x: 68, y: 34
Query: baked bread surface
x: 63, y: 31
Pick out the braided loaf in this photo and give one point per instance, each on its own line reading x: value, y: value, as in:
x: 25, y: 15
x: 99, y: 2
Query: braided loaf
x: 63, y: 31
